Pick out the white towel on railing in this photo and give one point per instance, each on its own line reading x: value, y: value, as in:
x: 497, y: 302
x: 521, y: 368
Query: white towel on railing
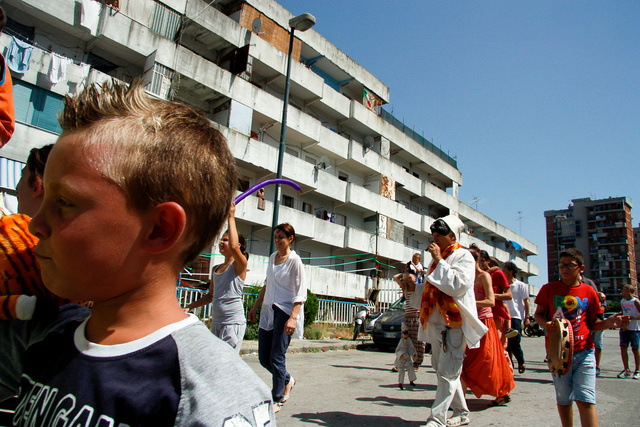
x: 90, y: 14
x: 58, y: 68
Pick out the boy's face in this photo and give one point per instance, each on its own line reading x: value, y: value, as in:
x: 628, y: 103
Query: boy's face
x: 416, y: 259
x: 569, y: 269
x: 29, y: 199
x: 87, y: 248
x: 626, y: 292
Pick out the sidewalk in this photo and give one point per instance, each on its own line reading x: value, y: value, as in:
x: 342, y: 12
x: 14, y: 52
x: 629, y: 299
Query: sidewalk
x: 308, y: 346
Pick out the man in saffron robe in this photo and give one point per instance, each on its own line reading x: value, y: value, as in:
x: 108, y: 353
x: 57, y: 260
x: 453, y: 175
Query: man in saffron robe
x: 449, y: 319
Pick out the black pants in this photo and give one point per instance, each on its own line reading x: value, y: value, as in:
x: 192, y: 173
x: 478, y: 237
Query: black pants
x: 513, y: 345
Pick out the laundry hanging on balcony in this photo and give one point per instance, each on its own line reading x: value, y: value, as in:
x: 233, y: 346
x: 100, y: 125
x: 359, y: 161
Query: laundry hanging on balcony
x: 90, y: 13
x: 58, y: 68
x: 19, y: 55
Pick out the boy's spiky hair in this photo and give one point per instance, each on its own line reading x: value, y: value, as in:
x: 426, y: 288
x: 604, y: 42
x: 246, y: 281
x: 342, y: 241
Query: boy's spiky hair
x: 157, y: 151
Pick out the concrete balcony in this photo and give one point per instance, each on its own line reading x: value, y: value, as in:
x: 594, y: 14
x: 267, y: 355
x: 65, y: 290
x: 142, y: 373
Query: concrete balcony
x: 249, y: 151
x: 363, y: 199
x: 359, y: 240
x: 363, y: 119
x: 128, y: 39
x: 334, y: 103
x: 328, y: 233
x: 247, y: 211
x: 394, y: 251
x: 409, y: 182
x: 216, y: 29
x: 364, y: 157
x: 270, y: 64
x: 61, y: 13
x: 411, y: 219
x: 435, y: 194
x: 364, y: 241
x: 330, y: 186
x: 333, y: 144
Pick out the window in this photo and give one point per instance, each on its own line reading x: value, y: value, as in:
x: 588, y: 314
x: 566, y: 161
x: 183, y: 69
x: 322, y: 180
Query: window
x: 307, y: 208
x: 305, y: 257
x: 243, y: 183
x: 343, y: 176
x: 161, y: 80
x: 36, y: 106
x: 287, y: 201
x: 340, y: 219
x: 310, y: 159
x: 339, y: 263
x: 165, y: 21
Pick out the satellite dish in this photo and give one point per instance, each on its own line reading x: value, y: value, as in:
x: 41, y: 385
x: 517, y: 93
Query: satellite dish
x: 256, y: 26
x: 323, y: 163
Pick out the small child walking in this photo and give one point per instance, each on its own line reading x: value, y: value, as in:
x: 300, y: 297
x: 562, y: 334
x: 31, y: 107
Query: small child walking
x: 404, y: 359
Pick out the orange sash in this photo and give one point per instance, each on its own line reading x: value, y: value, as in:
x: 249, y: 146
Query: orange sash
x: 433, y: 297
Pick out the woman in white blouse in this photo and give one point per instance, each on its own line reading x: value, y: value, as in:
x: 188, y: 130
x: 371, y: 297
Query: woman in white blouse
x: 283, y: 296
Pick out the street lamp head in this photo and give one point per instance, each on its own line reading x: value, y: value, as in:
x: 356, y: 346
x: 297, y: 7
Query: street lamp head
x: 302, y: 22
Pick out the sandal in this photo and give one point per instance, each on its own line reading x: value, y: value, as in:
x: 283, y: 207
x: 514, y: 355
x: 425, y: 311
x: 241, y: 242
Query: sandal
x: 522, y: 368
x: 277, y: 407
x: 285, y: 397
x: 500, y: 401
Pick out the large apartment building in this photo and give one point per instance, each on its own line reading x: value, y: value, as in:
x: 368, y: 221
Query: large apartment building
x: 370, y: 187
x: 602, y: 231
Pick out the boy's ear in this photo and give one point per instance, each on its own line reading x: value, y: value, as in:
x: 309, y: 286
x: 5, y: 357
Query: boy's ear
x: 38, y: 187
x: 167, y: 223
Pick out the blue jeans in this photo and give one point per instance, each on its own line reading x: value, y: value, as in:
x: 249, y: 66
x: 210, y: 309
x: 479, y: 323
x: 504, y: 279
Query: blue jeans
x: 580, y: 382
x: 272, y: 348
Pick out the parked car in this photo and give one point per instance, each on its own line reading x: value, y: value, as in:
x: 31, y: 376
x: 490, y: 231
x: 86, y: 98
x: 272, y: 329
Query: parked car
x: 388, y: 327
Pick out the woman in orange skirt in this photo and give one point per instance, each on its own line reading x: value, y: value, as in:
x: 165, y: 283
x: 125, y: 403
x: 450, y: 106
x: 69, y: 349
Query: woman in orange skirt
x: 486, y: 369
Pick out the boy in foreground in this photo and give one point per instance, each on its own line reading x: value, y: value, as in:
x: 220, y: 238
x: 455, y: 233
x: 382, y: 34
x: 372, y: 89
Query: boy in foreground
x: 579, y: 303
x: 134, y: 189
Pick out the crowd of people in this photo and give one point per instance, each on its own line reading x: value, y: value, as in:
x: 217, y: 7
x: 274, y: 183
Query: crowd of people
x: 119, y: 210
x: 472, y: 313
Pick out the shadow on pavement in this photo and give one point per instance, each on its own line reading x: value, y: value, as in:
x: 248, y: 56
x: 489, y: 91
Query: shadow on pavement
x: 408, y: 387
x: 369, y: 368
x: 345, y: 418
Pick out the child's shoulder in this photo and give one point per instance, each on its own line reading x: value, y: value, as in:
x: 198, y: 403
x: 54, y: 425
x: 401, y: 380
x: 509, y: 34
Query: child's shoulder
x: 217, y: 384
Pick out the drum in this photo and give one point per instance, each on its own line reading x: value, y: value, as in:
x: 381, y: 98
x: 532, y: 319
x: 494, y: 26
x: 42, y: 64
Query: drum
x: 560, y: 348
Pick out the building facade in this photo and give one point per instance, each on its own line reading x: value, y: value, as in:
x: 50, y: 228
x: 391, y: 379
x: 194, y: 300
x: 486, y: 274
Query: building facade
x: 602, y: 231
x: 370, y: 187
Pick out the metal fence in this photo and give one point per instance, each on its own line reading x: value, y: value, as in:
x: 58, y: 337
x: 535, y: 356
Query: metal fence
x: 333, y: 312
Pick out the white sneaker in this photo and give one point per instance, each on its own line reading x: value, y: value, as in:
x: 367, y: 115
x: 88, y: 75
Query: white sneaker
x: 636, y: 375
x: 458, y: 420
x: 624, y: 374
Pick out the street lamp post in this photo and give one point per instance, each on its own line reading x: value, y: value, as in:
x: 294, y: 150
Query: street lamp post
x: 301, y: 23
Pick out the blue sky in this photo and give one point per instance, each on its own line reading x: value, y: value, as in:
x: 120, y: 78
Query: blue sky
x: 539, y: 100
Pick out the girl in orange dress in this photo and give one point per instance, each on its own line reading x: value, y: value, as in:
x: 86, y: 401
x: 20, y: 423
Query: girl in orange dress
x: 486, y: 369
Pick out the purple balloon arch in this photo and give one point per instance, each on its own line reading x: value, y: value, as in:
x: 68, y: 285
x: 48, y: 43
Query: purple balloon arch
x: 262, y: 184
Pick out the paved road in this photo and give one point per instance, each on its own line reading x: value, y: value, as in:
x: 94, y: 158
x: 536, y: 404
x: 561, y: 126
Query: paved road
x: 356, y: 388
